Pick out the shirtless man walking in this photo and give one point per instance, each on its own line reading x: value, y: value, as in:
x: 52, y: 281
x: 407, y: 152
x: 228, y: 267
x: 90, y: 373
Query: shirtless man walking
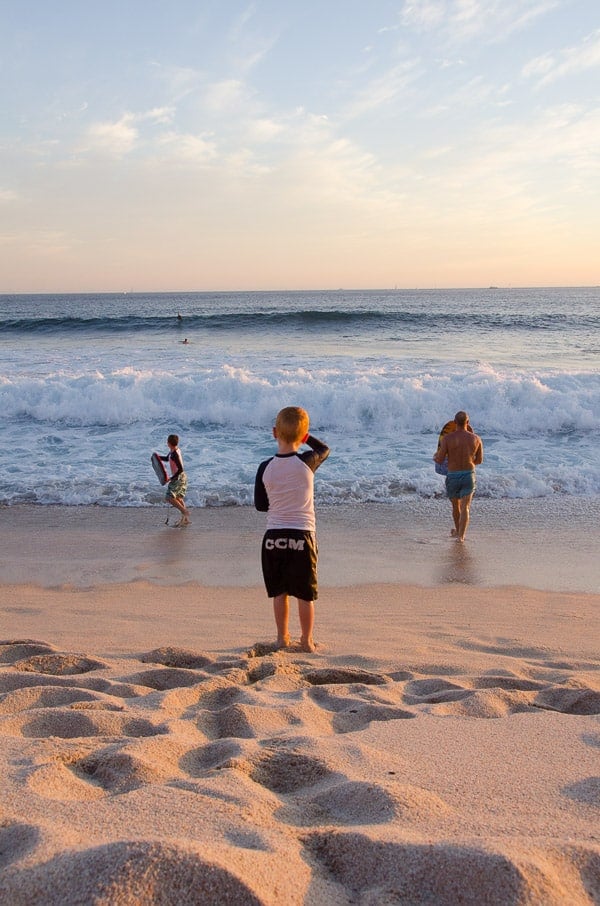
x: 464, y: 450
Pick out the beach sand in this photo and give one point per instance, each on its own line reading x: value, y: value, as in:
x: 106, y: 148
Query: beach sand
x: 442, y: 746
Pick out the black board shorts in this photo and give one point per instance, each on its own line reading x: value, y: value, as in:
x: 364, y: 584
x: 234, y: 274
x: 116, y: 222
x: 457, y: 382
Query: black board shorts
x: 289, y: 563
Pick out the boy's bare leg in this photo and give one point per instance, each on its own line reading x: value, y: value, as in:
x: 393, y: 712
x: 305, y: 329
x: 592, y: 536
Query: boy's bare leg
x: 180, y: 505
x: 306, y: 613
x: 281, y: 609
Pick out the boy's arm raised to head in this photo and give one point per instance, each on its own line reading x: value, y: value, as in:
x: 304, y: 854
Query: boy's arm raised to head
x: 261, y: 498
x: 319, y: 452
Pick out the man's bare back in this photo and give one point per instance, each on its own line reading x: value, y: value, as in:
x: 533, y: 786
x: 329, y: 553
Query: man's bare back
x: 463, y: 449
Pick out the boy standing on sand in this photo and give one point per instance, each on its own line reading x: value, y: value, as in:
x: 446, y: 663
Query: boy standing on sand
x: 284, y: 489
x: 464, y: 450
x: 178, y: 483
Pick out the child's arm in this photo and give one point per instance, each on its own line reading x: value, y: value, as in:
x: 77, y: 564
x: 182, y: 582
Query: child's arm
x: 261, y: 498
x: 318, y: 453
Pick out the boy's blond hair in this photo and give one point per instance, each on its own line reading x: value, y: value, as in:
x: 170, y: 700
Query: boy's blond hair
x: 292, y: 424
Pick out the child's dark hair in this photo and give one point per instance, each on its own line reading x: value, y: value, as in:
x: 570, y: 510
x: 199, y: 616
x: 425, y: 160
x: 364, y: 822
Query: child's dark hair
x: 173, y: 439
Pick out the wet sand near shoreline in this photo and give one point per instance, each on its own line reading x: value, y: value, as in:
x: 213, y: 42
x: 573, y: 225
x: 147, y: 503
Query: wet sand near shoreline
x: 545, y: 544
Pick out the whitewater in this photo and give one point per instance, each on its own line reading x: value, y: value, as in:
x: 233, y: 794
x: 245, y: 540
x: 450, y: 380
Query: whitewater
x: 91, y: 385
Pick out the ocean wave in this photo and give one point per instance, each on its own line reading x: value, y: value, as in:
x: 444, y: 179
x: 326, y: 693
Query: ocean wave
x: 379, y: 400
x: 309, y: 319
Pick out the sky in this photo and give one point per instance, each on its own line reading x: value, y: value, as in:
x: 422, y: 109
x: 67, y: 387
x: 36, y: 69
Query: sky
x: 298, y: 144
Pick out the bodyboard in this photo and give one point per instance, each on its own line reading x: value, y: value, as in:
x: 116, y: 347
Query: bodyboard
x: 442, y: 467
x: 157, y: 465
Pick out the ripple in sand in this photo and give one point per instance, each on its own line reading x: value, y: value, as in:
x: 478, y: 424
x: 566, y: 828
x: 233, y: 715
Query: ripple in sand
x: 377, y: 872
x: 59, y: 664
x: 140, y: 872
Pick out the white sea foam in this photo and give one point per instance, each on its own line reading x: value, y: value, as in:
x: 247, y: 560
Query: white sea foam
x: 89, y: 434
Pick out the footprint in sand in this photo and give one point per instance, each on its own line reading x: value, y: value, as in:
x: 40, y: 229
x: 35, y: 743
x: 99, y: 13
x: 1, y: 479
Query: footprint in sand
x: 16, y: 841
x: 339, y: 676
x: 17, y: 649
x: 59, y: 664
x: 213, y: 756
x: 164, y: 678
x: 29, y: 698
x: 74, y: 724
x: 585, y: 791
x: 578, y: 700
x: 370, y: 870
x: 178, y: 657
x: 143, y: 871
x: 289, y: 770
x: 360, y: 716
x: 434, y: 690
x: 359, y: 802
x: 118, y: 771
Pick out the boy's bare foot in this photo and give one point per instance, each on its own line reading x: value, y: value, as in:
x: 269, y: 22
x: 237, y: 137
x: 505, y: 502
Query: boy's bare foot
x: 453, y: 533
x: 307, y: 644
x: 285, y: 642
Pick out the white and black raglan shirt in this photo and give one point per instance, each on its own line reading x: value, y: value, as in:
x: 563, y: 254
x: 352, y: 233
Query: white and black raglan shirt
x: 284, y: 487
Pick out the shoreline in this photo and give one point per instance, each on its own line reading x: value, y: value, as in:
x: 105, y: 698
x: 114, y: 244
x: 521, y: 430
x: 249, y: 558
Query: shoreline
x: 546, y: 544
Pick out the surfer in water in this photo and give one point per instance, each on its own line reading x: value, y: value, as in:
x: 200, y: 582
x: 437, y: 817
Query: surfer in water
x: 464, y: 450
x: 178, y: 483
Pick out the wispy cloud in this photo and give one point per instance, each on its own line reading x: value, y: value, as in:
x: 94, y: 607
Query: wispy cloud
x: 225, y: 96
x: 180, y: 81
x: 199, y: 149
x: 119, y: 137
x: 384, y: 89
x: 249, y: 45
x: 464, y: 20
x: 569, y: 61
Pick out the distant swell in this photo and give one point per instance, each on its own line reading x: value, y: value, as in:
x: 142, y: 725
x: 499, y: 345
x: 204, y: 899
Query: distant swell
x: 308, y: 319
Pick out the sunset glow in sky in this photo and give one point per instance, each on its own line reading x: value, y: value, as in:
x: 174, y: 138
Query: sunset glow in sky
x: 290, y: 144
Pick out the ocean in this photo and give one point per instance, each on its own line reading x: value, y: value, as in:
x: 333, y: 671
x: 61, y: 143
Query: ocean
x: 91, y: 385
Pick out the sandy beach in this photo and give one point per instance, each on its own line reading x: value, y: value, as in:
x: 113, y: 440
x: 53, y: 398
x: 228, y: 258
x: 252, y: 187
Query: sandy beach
x: 442, y: 745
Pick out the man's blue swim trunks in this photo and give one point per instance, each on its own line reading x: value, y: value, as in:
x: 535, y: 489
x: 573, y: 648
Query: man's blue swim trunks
x: 460, y: 484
